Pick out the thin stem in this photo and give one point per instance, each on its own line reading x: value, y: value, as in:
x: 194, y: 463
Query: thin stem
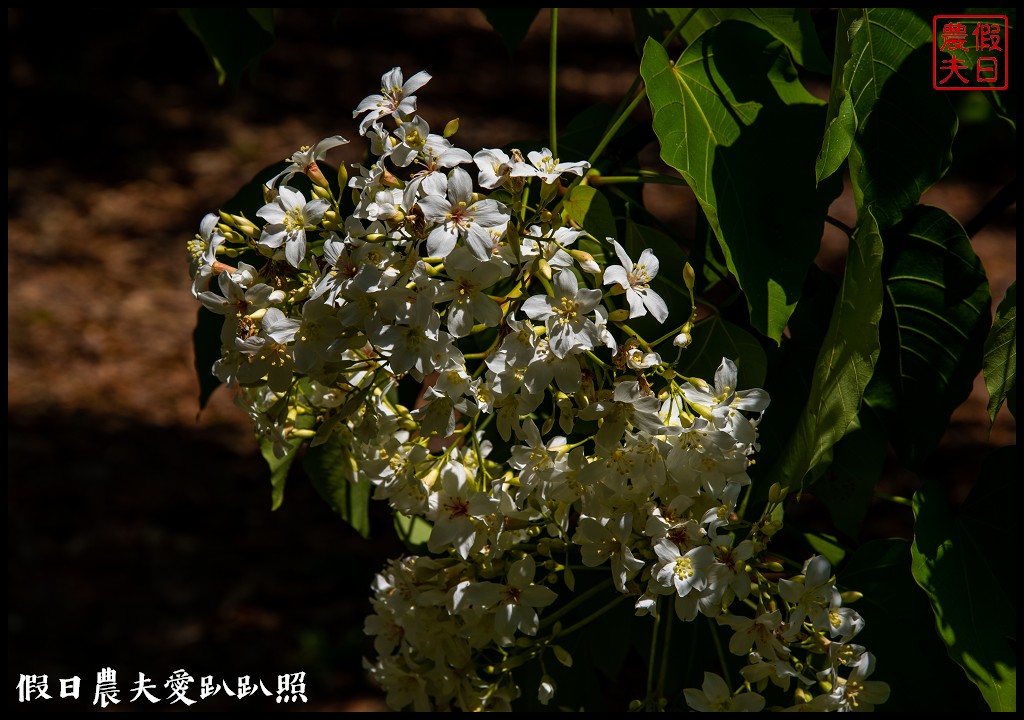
x: 720, y: 651
x: 610, y: 132
x: 678, y: 29
x: 633, y: 333
x: 639, y: 79
x: 575, y: 602
x: 650, y: 657
x: 592, y: 617
x: 644, y: 176
x: 665, y: 648
x: 839, y: 224
x: 552, y: 84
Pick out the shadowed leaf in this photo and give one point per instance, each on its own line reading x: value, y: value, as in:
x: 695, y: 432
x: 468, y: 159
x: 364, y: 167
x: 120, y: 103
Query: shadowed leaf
x: 732, y: 117
x: 1001, y: 354
x: 965, y: 560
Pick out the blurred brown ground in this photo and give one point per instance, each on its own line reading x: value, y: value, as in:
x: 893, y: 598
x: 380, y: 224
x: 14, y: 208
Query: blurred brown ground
x: 140, y: 538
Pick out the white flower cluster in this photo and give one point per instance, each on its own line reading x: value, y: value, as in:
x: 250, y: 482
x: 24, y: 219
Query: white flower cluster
x: 462, y: 273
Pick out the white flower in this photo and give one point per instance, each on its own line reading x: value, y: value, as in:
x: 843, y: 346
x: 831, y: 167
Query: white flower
x: 203, y: 253
x: 516, y: 600
x: 546, y: 166
x: 459, y: 217
x: 394, y: 97
x: 454, y: 511
x: 636, y: 281
x: 470, y: 278
x: 714, y: 696
x: 682, y: 571
x: 305, y: 158
x: 569, y: 330
x: 811, y: 596
x: 288, y: 217
x: 639, y: 360
x: 762, y: 631
x: 724, y: 394
x: 494, y: 167
x: 606, y: 538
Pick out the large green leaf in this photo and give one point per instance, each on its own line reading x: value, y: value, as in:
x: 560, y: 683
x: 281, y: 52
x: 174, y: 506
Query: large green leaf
x: 794, y: 27
x: 899, y: 630
x: 1001, y: 354
x: 331, y: 469
x: 938, y: 316
x: 966, y: 560
x: 841, y: 123
x: 234, y: 37
x: 857, y: 461
x: 791, y: 371
x: 732, y: 117
x: 846, y: 360
x: 905, y: 128
x: 589, y: 209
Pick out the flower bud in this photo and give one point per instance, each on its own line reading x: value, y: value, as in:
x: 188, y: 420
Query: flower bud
x: 451, y: 128
x: 430, y: 478
x: 586, y: 261
x: 543, y: 269
x: 317, y: 178
x: 851, y: 596
x: 619, y: 315
x: 688, y: 276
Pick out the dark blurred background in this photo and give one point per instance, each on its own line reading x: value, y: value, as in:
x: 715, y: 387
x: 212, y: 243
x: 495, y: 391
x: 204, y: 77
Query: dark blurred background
x: 140, y: 536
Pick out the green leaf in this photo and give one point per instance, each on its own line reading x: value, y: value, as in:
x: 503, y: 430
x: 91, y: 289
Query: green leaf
x: 938, y: 316
x: 905, y: 128
x: 206, y: 350
x: 1005, y: 105
x: 791, y: 371
x: 846, y: 360
x: 715, y: 338
x: 332, y: 471
x: 729, y: 115
x: 966, y: 562
x: 841, y: 122
x: 899, y: 630
x: 511, y: 24
x: 793, y: 27
x: 826, y: 545
x: 590, y: 210
x: 414, y: 531
x: 279, y: 467
x: 857, y: 461
x: 234, y: 37
x: 1001, y: 354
